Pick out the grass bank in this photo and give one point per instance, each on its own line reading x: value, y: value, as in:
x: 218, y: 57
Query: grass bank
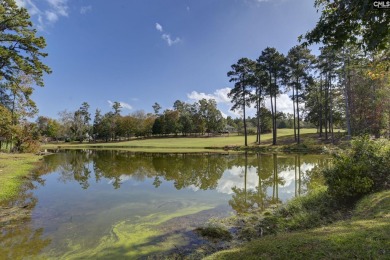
x: 13, y: 169
x: 364, y: 235
x: 204, y: 144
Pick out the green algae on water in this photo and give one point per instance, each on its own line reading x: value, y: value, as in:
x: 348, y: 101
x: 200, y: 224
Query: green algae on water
x: 132, y: 239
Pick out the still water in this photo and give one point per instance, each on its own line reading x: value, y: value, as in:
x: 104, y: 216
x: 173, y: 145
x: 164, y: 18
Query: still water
x: 117, y: 204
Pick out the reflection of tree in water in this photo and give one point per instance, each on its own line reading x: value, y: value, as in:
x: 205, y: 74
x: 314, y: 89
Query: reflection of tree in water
x: 185, y: 170
x: 202, y: 172
x: 239, y: 201
x: 72, y: 165
x: 244, y: 200
x: 18, y: 239
x: 268, y: 169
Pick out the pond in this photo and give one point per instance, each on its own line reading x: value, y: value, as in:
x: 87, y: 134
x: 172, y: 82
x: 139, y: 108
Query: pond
x: 116, y: 204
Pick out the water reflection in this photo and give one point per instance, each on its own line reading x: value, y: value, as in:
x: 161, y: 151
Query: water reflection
x: 253, y: 180
x: 18, y: 238
x: 80, y: 198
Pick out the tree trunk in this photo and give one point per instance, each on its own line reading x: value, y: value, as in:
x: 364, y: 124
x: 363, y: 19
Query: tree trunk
x: 275, y: 115
x: 346, y: 98
x: 273, y: 121
x: 258, y: 138
x: 244, y: 105
x: 275, y: 133
x: 321, y: 108
x: 331, y: 109
x: 326, y: 107
x: 295, y: 129
x: 298, y: 125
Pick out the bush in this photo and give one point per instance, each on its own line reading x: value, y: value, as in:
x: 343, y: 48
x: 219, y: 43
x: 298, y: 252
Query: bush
x: 362, y: 169
x: 214, y: 232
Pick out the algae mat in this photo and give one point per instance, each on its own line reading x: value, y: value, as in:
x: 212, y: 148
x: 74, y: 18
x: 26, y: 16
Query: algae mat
x: 134, y: 238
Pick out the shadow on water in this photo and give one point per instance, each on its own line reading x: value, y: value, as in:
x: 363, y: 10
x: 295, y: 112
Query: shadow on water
x: 243, y: 182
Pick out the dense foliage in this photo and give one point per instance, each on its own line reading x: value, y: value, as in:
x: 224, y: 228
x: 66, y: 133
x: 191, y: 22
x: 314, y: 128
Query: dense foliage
x: 20, y: 68
x: 354, y: 22
x: 362, y: 169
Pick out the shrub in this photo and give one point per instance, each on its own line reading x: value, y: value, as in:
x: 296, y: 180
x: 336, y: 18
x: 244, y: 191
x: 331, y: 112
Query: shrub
x: 214, y: 232
x: 362, y: 169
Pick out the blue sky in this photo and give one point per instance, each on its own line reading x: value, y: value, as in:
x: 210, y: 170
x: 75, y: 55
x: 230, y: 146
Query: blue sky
x: 143, y: 51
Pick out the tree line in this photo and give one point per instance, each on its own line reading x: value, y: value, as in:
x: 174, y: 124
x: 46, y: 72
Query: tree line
x: 201, y: 118
x: 347, y: 88
x: 346, y: 85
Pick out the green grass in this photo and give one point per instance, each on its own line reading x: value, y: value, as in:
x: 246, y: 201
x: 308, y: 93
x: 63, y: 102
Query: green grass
x: 187, y: 144
x: 364, y: 236
x: 13, y: 167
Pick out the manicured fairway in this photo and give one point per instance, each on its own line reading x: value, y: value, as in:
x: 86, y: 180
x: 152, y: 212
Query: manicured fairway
x: 192, y: 143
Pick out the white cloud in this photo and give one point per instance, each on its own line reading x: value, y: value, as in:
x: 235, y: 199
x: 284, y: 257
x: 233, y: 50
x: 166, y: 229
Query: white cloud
x: 159, y: 27
x: 169, y: 40
x: 60, y: 7
x: 124, y: 105
x: 167, y: 37
x: 188, y: 9
x: 85, y: 9
x: 283, y: 102
x: 46, y: 12
x: 220, y: 95
x: 51, y: 16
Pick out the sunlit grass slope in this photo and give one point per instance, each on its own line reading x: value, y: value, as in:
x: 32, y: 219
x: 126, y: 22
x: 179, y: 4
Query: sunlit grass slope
x: 365, y: 236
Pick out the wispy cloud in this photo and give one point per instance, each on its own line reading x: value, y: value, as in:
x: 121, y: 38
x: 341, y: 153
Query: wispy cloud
x: 59, y: 7
x: 85, y: 9
x: 159, y: 27
x: 166, y: 36
x: 124, y: 105
x: 30, y: 5
x: 168, y: 39
x: 51, y: 16
x: 47, y: 12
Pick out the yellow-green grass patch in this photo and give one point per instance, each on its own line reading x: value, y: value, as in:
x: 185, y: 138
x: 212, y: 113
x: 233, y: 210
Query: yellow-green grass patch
x: 13, y: 167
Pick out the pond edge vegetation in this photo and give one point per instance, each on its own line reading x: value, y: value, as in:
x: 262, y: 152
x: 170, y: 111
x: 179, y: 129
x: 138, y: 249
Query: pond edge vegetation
x: 347, y: 218
x: 14, y: 171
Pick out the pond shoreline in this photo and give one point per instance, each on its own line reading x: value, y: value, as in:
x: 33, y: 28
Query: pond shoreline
x: 224, y: 245
x: 310, y: 143
x: 14, y: 172
x: 363, y: 231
